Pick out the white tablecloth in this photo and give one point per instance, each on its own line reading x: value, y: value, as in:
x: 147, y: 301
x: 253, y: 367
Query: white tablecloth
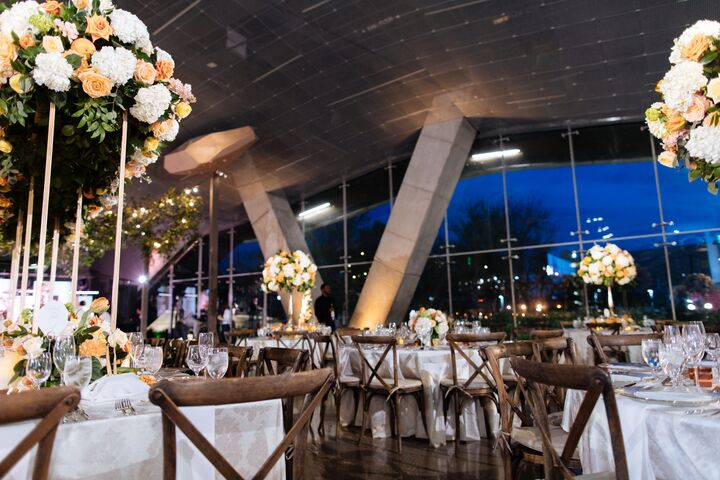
x: 661, y: 442
x: 428, y: 366
x: 115, y: 446
x: 584, y: 352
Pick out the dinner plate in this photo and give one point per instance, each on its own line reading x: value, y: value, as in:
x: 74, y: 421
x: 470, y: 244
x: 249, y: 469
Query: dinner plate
x: 680, y: 396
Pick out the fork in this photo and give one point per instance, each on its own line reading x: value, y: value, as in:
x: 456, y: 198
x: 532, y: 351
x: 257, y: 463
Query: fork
x: 127, y: 405
x: 120, y: 407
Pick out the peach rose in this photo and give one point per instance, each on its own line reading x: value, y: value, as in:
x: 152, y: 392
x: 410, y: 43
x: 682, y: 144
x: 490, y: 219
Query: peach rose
x: 83, y: 46
x: 675, y: 122
x: 7, y: 49
x: 669, y: 159
x: 160, y: 128
x: 712, y: 120
x: 696, y: 111
x: 95, y: 84
x: 5, y: 202
x: 51, y: 7
x: 84, y: 66
x: 100, y: 305
x: 696, y: 48
x: 98, y: 27
x: 713, y: 89
x: 3, y: 182
x: 52, y: 44
x: 145, y: 72
x: 27, y: 41
x: 81, y: 4
x: 165, y: 69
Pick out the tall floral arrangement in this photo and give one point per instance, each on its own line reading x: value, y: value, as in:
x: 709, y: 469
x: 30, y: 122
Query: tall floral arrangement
x: 431, y: 318
x: 289, y: 271
x: 688, y: 119
x: 607, y: 266
x: 93, y: 338
x: 94, y: 62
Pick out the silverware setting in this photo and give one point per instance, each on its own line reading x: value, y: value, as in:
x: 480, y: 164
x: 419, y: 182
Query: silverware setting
x: 125, y: 407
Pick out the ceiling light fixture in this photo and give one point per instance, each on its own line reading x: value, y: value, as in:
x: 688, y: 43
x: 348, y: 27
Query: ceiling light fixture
x: 314, y: 210
x: 485, y: 156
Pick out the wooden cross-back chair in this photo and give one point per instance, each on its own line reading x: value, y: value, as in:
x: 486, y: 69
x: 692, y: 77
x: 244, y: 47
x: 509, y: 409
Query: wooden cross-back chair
x: 276, y: 361
x: 478, y: 384
x: 540, y: 334
x: 511, y: 399
x: 558, y: 462
x: 169, y: 396
x: 343, y: 332
x: 155, y: 342
x: 554, y: 350
x: 240, y: 337
x: 50, y: 406
x: 175, y: 350
x: 323, y: 355
x: 239, y: 358
x: 291, y: 340
x: 615, y: 347
x: 393, y: 388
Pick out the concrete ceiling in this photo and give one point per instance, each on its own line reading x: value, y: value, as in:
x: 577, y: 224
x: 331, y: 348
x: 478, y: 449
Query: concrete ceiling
x: 335, y: 88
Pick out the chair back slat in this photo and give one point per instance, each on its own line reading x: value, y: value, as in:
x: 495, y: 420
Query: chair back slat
x: 276, y: 361
x: 390, y: 344
x: 174, y: 352
x: 326, y: 351
x: 509, y: 405
x: 291, y: 340
x: 169, y: 396
x: 552, y: 350
x: 50, y: 405
x: 596, y: 383
x: 617, y: 345
x: 239, y: 360
x: 455, y: 339
x: 540, y: 334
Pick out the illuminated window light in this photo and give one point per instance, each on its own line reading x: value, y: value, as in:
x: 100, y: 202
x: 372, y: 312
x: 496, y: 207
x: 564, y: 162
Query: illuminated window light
x: 314, y: 210
x: 485, y: 156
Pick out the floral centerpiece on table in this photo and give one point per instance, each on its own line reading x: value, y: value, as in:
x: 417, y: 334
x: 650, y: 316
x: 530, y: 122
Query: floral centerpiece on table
x: 436, y: 320
x: 292, y: 272
x: 94, y: 62
x: 688, y: 119
x: 607, y: 266
x: 93, y: 338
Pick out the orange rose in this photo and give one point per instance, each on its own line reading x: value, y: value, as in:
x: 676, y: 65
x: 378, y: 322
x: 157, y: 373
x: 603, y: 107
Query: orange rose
x: 27, y: 41
x: 83, y: 46
x: 165, y: 69
x: 160, y: 128
x: 98, y: 27
x: 7, y: 49
x: 3, y: 182
x: 145, y: 72
x: 51, y: 7
x: 675, y: 122
x: 5, y: 202
x: 95, y: 84
x: 696, y: 47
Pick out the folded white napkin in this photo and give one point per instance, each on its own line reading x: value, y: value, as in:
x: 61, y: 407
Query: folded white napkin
x: 114, y: 387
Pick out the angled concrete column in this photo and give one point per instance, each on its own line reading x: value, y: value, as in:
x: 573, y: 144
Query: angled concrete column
x: 274, y: 224
x: 434, y: 169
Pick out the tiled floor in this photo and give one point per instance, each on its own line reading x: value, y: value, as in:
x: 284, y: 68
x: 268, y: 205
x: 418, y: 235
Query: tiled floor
x: 378, y: 459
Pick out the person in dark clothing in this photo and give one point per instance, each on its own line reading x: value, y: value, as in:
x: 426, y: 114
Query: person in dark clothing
x: 325, y: 306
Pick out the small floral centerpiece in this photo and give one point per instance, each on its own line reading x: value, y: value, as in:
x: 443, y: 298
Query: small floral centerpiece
x: 429, y: 318
x: 607, y: 266
x: 688, y: 119
x: 93, y: 338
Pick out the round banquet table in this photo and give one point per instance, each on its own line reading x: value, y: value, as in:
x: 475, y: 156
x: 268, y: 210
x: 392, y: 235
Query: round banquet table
x: 111, y: 445
x: 661, y: 441
x: 429, y: 366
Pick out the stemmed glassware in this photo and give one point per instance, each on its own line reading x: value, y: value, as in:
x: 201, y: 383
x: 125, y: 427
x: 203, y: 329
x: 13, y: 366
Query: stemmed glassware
x: 694, y: 346
x: 218, y: 362
x: 651, y: 353
x: 63, y: 348
x: 197, y: 358
x: 77, y: 371
x: 150, y: 360
x: 423, y: 332
x: 206, y: 339
x: 38, y: 368
x: 712, y: 348
x: 672, y: 359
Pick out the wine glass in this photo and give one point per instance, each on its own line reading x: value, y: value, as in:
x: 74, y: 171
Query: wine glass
x: 63, y: 348
x: 712, y: 348
x: 206, y: 340
x: 77, y: 371
x: 671, y: 334
x: 38, y: 368
x: 154, y: 359
x: 218, y: 362
x: 197, y: 358
x: 694, y: 346
x: 137, y: 343
x: 651, y: 353
x: 672, y: 359
x: 424, y: 332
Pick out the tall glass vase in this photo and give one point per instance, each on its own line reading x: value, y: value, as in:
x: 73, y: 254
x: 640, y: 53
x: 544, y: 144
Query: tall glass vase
x: 295, y: 304
x: 611, y: 304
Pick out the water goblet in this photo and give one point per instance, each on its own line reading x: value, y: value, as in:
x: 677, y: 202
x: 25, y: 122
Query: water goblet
x: 197, y: 358
x: 38, y: 368
x: 206, y: 339
x: 77, y: 371
x: 712, y: 348
x: 651, y: 353
x: 154, y: 359
x: 672, y: 359
x: 137, y: 344
x: 694, y: 346
x: 63, y: 348
x: 671, y: 334
x: 218, y: 362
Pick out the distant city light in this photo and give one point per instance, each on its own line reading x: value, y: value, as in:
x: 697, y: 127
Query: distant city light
x: 142, y: 279
x: 708, y: 306
x: 485, y: 156
x: 691, y: 307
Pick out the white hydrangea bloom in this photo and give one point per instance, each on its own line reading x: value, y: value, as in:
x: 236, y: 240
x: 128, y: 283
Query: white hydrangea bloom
x: 705, y: 143
x: 657, y: 128
x: 681, y: 83
x: 151, y: 103
x: 141, y: 159
x: 129, y: 28
x: 106, y: 5
x: 118, y: 64
x: 53, y: 71
x: 17, y: 18
x: 702, y: 27
x: 170, y: 135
